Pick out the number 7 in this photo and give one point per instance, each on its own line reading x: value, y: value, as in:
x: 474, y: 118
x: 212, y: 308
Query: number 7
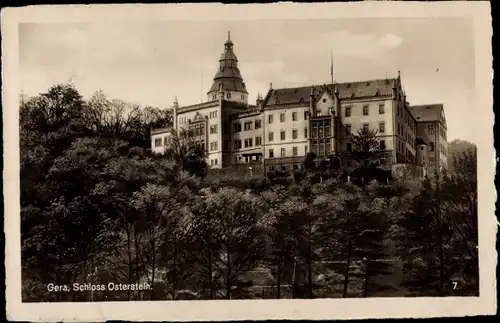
x: 455, y: 285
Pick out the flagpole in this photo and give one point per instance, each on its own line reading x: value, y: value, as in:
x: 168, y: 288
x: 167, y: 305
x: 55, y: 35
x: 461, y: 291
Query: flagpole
x: 331, y: 65
x: 201, y: 90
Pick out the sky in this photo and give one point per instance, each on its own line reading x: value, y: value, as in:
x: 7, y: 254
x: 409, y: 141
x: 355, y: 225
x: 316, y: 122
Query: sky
x: 150, y: 63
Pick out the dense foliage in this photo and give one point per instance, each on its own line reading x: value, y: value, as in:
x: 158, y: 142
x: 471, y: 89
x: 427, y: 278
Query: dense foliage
x: 97, y: 206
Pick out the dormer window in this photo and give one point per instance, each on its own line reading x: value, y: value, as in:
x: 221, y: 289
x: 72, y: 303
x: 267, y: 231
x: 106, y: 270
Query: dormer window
x: 301, y: 100
x: 348, y: 85
x: 367, y: 83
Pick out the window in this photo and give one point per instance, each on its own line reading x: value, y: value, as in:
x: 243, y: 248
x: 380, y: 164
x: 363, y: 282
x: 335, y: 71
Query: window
x: 294, y: 134
x: 282, y: 135
x: 327, y: 130
x: 430, y: 130
x: 270, y: 118
x: 213, y: 145
x: 248, y: 142
x: 282, y: 152
x: 348, y: 111
x: 258, y: 141
x: 248, y: 125
x: 318, y: 113
x: 237, y: 144
x: 165, y: 141
x: 282, y: 117
x: 294, y: 151
x: 365, y: 110
x: 432, y: 146
x: 305, y: 132
x: 228, y: 95
x: 305, y: 115
x: 315, y: 132
x: 213, y: 129
x: 237, y: 127
x: 321, y: 148
x: 157, y: 142
x: 381, y: 127
x: 382, y: 145
x: 332, y: 111
x: 321, y: 131
x: 271, y: 153
x: 202, y: 143
x: 294, y: 116
x: 381, y: 109
x: 347, y: 129
x: 271, y: 136
x: 257, y: 124
x: 243, y: 97
x: 349, y: 147
x: 305, y: 150
x: 365, y: 127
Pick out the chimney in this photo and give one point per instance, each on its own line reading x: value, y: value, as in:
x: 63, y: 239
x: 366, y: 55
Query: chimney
x: 174, y: 108
x: 394, y: 90
x: 311, y: 102
x: 270, y: 86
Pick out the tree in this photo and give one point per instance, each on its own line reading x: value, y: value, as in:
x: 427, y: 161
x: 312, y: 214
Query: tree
x: 309, y: 163
x: 457, y: 148
x: 460, y: 207
x: 365, y: 147
x: 280, y: 221
x: 426, y: 241
x: 188, y: 155
x: 234, y: 218
x: 354, y: 229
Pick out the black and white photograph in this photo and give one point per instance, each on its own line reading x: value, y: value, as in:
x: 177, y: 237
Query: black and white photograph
x: 284, y: 158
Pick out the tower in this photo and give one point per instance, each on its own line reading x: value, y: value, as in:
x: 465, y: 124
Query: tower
x: 228, y: 77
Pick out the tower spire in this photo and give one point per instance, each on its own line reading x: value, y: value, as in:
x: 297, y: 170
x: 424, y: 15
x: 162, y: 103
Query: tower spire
x: 228, y: 76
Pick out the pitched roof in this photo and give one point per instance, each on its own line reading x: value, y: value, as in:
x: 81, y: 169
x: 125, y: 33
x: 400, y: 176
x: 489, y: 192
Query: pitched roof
x: 228, y: 76
x: 347, y: 90
x: 427, y: 112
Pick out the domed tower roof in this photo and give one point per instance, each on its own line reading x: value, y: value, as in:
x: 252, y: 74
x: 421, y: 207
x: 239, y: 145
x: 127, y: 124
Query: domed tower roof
x: 228, y: 76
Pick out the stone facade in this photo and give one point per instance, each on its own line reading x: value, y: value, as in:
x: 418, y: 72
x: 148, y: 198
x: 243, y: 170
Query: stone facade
x: 288, y: 123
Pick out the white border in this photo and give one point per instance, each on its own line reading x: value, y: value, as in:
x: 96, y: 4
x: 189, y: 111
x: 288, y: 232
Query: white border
x: 268, y: 309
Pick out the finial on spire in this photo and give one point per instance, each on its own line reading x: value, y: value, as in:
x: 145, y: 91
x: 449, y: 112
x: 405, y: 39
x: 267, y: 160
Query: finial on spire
x: 175, y: 100
x: 228, y: 35
x: 399, y: 74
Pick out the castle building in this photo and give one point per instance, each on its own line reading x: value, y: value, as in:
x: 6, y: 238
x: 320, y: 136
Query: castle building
x: 286, y: 124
